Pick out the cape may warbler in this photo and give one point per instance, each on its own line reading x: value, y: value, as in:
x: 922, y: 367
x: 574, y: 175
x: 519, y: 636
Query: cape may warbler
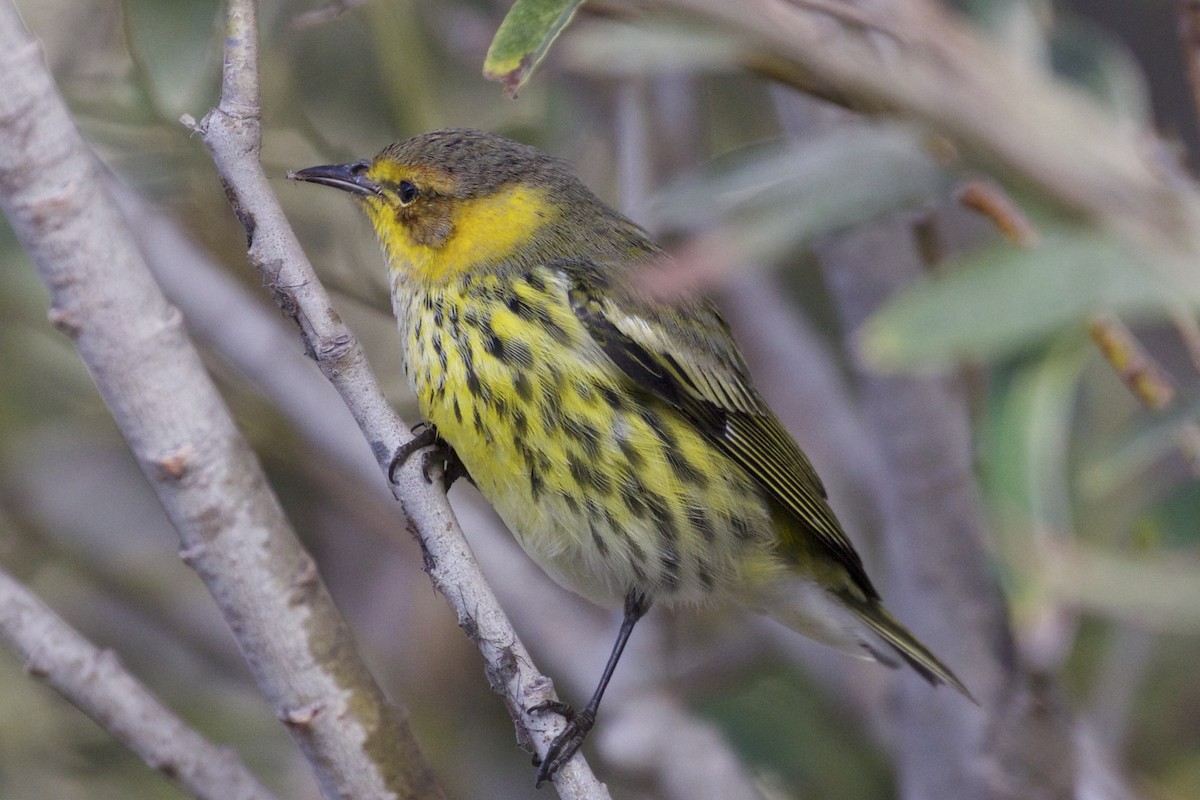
x: 620, y: 438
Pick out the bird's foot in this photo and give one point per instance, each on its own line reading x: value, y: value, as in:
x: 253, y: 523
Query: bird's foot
x: 438, y: 454
x: 567, y: 742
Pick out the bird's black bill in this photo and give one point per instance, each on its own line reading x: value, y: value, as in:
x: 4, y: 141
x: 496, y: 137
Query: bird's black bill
x: 347, y: 177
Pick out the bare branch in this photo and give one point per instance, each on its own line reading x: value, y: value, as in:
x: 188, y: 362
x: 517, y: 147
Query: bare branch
x: 94, y: 680
x: 232, y: 133
x: 230, y: 524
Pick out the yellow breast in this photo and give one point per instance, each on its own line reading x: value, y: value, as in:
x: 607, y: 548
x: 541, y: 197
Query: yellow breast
x: 604, y: 489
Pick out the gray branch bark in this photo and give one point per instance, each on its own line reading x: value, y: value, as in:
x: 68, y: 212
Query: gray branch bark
x: 232, y: 529
x: 95, y: 681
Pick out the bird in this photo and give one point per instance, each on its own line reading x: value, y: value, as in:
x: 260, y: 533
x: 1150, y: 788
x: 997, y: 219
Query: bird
x: 618, y: 436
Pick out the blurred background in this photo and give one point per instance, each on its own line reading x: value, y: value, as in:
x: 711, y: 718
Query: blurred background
x: 1092, y: 505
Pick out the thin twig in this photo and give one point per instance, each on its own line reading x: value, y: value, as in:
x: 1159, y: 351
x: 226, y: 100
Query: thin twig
x: 94, y: 680
x: 232, y: 530
x: 232, y: 133
x: 990, y: 199
x: 1141, y: 374
x: 1145, y: 378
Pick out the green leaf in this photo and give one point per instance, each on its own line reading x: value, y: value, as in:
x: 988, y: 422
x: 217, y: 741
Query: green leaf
x: 524, y: 38
x: 1001, y: 299
x: 1027, y: 436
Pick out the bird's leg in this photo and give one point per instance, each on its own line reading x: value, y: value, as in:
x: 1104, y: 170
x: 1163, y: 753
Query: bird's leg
x: 580, y: 722
x: 440, y: 453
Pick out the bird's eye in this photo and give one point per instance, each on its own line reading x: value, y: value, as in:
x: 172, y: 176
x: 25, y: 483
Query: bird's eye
x: 407, y: 192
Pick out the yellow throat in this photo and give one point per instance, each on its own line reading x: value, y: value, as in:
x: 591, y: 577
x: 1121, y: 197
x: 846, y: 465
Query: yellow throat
x: 450, y: 238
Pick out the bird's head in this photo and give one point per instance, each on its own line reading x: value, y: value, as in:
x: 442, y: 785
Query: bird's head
x: 453, y: 200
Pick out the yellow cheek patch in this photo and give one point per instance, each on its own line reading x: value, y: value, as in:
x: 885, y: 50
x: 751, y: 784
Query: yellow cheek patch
x: 482, y: 230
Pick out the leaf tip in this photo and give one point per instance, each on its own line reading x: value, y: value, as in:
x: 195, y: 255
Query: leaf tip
x: 511, y: 72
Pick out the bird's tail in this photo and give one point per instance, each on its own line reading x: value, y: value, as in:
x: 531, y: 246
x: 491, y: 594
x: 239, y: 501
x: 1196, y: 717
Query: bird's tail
x: 902, y: 642
x: 857, y: 625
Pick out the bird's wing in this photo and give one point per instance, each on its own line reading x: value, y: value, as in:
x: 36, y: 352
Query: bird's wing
x: 686, y: 357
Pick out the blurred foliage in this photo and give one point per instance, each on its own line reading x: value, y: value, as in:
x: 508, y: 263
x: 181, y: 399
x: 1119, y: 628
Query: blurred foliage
x: 995, y: 301
x: 770, y: 199
x: 792, y: 735
x: 1095, y: 512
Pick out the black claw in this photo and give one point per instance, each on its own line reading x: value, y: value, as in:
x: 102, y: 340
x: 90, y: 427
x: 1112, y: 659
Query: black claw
x: 424, y: 438
x: 439, y: 454
x: 566, y: 743
x: 564, y: 710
